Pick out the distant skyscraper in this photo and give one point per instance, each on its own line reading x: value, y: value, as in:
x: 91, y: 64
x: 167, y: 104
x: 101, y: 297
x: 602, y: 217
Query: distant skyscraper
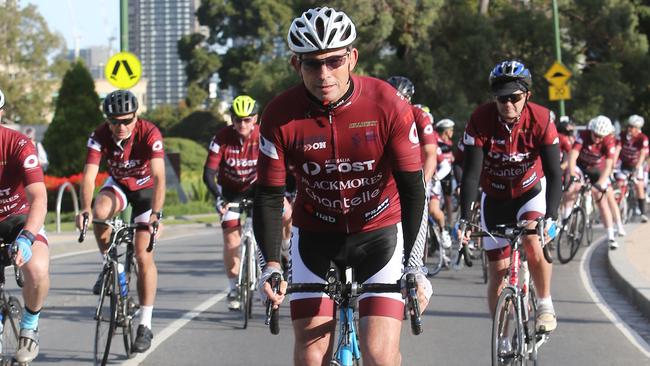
x: 155, y: 26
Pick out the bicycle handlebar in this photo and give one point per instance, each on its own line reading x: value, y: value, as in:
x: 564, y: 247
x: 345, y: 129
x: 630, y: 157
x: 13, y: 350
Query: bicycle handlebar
x: 84, y: 228
x: 337, y: 291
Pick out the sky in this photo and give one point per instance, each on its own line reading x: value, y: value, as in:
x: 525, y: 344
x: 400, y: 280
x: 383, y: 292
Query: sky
x: 93, y: 20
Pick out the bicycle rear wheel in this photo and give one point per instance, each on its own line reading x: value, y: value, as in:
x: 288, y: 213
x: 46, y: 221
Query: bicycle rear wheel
x: 12, y: 312
x: 570, y: 237
x: 506, y: 333
x: 106, y: 317
x: 434, y: 253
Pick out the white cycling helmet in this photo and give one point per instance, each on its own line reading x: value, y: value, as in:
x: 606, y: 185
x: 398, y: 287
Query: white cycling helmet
x: 321, y: 29
x: 2, y: 99
x: 635, y: 121
x: 601, y: 126
x: 444, y: 124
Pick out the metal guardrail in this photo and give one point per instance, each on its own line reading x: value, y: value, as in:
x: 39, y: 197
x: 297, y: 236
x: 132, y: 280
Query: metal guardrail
x: 59, y: 197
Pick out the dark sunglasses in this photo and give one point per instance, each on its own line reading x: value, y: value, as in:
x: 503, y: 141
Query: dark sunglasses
x: 115, y: 122
x: 244, y: 120
x: 332, y: 62
x: 512, y: 98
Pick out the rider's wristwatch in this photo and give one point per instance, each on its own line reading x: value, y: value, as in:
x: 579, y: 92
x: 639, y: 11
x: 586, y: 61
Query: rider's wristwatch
x: 28, y: 235
x: 158, y: 214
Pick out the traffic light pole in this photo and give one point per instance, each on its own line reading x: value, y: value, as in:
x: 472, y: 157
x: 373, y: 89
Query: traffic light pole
x: 558, y: 50
x: 124, y: 25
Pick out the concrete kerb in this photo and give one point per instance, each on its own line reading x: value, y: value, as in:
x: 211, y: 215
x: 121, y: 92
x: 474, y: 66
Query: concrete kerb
x: 628, y: 279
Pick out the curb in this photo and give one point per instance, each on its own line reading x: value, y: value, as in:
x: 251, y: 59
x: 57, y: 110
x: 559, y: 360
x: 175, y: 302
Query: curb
x: 628, y: 280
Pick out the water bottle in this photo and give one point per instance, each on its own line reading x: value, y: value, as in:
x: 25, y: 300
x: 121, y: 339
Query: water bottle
x: 124, y: 290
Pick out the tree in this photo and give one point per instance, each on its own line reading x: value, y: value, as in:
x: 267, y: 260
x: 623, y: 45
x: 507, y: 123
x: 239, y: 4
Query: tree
x: 24, y: 71
x: 77, y: 115
x: 199, y: 126
x: 166, y: 116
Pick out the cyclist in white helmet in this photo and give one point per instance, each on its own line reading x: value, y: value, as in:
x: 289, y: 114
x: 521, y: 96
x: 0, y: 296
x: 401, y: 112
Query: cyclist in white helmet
x: 632, y: 153
x: 360, y: 201
x: 593, y: 153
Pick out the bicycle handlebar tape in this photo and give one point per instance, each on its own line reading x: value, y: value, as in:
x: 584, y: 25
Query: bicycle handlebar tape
x: 84, y: 227
x: 273, y: 315
x: 152, y: 240
x: 411, y: 289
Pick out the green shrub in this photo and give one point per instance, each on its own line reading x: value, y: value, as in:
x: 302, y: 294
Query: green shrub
x: 193, y: 155
x: 198, y: 126
x: 190, y: 208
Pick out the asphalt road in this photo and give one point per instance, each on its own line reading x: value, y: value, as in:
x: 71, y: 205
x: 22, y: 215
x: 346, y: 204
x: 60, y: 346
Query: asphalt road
x: 192, y: 325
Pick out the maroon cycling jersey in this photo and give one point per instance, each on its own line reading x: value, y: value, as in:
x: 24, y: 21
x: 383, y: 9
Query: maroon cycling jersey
x: 128, y: 160
x: 565, y: 146
x: 631, y: 148
x: 511, y: 162
x: 426, y: 133
x: 593, y: 155
x: 235, y: 158
x: 18, y: 168
x: 343, y: 155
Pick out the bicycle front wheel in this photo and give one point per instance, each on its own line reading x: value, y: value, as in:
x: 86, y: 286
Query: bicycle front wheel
x: 12, y: 312
x: 128, y: 307
x: 106, y: 318
x: 571, y: 235
x: 506, y: 331
x: 434, y: 253
x: 244, y: 284
x: 484, y: 264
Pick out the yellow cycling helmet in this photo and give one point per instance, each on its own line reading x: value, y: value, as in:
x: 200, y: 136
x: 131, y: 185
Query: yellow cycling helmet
x: 244, y: 106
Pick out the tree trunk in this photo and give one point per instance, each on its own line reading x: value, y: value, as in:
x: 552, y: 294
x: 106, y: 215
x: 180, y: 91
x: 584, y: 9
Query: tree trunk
x: 483, y: 6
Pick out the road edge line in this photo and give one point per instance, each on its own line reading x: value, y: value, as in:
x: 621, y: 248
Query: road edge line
x: 585, y: 275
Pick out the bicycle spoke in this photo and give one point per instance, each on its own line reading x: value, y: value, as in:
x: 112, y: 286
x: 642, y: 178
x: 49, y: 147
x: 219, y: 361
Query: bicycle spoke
x: 12, y: 312
x: 106, y: 319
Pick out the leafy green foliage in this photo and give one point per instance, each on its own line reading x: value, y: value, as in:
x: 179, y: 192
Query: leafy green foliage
x: 165, y: 116
x: 199, y: 126
x: 24, y: 70
x: 447, y: 48
x: 77, y: 114
x: 193, y: 155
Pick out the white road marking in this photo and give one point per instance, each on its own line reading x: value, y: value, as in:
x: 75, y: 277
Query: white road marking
x: 585, y: 275
x: 175, y: 326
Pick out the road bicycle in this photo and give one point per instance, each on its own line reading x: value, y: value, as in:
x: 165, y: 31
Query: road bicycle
x: 515, y: 340
x: 344, y: 290
x: 579, y: 223
x: 11, y: 310
x: 625, y: 195
x: 116, y: 308
x: 249, y: 270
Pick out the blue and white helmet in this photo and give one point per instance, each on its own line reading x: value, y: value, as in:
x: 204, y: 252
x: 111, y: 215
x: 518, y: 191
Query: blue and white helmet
x: 509, y: 76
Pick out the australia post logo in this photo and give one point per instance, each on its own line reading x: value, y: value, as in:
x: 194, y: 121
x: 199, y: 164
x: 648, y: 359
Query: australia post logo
x: 508, y: 158
x: 313, y: 168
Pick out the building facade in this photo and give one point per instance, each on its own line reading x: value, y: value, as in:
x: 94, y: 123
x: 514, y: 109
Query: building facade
x: 155, y: 26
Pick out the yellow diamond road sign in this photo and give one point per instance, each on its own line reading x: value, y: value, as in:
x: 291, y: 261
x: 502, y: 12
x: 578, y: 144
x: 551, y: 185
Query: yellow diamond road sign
x: 561, y: 92
x: 123, y: 70
x: 558, y: 74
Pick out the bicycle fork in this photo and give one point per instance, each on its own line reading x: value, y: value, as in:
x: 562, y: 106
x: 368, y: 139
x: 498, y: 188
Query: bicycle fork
x: 348, y: 348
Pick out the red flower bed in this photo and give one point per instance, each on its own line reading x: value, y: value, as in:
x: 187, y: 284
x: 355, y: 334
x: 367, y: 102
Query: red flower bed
x: 53, y: 183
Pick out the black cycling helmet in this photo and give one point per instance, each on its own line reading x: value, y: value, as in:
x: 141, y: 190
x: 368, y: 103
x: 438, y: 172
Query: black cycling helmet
x: 403, y: 85
x: 120, y: 102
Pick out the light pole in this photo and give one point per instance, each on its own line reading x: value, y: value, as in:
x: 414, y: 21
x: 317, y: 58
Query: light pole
x: 124, y: 25
x: 558, y: 50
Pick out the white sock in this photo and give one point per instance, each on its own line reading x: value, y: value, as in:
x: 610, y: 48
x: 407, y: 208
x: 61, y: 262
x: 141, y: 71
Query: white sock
x: 232, y: 282
x: 545, y: 305
x: 145, y: 315
x: 610, y: 233
x: 620, y: 226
